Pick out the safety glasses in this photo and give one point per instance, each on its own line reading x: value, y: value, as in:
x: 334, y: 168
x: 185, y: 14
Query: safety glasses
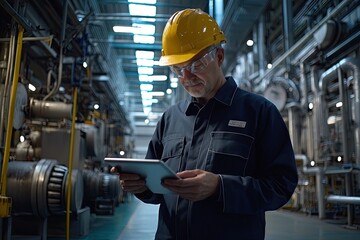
x: 196, y: 66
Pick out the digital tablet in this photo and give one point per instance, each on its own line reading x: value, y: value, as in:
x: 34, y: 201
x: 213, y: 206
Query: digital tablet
x: 152, y: 170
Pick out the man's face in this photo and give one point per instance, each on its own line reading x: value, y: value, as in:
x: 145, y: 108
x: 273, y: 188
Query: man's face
x: 202, y: 76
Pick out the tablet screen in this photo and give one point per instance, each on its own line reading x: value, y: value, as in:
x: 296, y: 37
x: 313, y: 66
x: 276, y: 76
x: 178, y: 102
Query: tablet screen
x: 152, y: 170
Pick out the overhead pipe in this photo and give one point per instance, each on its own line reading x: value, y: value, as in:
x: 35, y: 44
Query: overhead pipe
x: 343, y: 199
x: 299, y: 44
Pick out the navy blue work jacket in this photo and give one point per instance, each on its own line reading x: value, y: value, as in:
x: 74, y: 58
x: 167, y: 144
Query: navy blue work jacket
x: 242, y: 137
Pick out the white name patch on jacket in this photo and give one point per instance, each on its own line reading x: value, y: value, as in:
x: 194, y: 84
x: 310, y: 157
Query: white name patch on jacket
x: 237, y: 123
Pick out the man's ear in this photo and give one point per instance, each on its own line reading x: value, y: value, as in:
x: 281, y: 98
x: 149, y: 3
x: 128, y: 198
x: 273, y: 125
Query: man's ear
x: 220, y: 56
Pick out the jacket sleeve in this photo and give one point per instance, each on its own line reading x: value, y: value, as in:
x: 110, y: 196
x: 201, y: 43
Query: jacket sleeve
x: 271, y: 184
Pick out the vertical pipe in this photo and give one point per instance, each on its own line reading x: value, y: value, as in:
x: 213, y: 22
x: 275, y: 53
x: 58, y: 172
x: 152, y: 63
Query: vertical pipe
x: 344, y: 115
x: 345, y: 140
x: 11, y: 111
x: 354, y: 65
x: 288, y: 27
x: 320, y: 192
x: 261, y: 44
x: 294, y: 117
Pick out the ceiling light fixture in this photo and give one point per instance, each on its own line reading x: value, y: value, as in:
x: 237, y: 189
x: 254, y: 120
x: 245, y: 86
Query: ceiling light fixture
x: 144, y: 54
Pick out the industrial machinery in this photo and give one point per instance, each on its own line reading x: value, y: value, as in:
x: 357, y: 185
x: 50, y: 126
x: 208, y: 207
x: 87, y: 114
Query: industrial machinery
x: 304, y: 56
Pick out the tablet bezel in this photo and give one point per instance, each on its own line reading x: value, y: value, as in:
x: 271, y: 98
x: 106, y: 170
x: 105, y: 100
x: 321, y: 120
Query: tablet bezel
x: 152, y: 170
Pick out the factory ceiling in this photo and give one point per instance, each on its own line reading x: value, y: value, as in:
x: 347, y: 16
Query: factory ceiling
x: 123, y: 65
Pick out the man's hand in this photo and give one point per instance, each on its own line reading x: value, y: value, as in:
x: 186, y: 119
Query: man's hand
x: 131, y: 182
x: 194, y: 185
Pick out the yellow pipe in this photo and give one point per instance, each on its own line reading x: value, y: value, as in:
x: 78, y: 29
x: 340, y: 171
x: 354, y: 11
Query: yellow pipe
x: 68, y: 201
x: 11, y: 111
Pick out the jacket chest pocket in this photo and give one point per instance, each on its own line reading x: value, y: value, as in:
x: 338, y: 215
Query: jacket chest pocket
x: 229, y: 152
x: 173, y: 150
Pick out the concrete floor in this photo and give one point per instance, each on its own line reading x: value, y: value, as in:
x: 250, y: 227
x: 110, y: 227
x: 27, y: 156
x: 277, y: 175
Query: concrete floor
x: 136, y: 220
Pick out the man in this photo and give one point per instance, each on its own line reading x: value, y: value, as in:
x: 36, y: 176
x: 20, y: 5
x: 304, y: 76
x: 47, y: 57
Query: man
x: 231, y: 148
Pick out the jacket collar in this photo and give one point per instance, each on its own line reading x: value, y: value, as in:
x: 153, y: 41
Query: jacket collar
x: 225, y: 95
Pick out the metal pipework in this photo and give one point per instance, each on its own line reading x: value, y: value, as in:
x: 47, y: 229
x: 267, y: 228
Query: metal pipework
x: 50, y: 110
x: 38, y: 188
x: 335, y: 72
x: 348, y: 64
x: 343, y: 199
x: 319, y: 172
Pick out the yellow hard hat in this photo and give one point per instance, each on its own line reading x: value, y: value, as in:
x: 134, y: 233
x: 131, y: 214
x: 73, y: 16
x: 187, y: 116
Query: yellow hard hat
x: 186, y: 33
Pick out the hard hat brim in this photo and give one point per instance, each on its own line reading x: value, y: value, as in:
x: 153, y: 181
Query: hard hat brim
x: 175, y: 59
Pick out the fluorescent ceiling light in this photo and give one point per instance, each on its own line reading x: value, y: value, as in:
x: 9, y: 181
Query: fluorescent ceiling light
x: 144, y: 39
x: 142, y: 10
x: 147, y: 110
x: 174, y: 85
x: 151, y: 78
x: 141, y: 29
x: 144, y: 78
x: 142, y: 1
x: 144, y: 54
x: 145, y: 62
x: 174, y: 79
x: 146, y: 95
x: 158, y: 77
x: 157, y: 94
x: 146, y: 87
x: 145, y: 70
x: 123, y: 29
x: 147, y: 102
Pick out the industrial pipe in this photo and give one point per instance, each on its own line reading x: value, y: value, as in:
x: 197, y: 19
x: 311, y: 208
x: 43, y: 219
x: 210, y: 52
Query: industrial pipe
x: 343, y: 199
x: 49, y: 109
x: 299, y: 44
